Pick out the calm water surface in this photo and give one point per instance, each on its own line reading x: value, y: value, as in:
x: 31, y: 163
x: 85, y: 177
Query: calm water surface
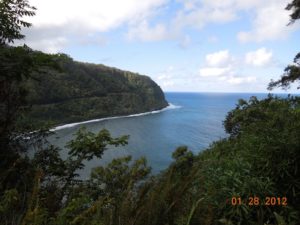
x: 196, y: 124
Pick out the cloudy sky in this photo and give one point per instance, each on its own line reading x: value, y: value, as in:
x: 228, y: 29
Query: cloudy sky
x: 184, y: 45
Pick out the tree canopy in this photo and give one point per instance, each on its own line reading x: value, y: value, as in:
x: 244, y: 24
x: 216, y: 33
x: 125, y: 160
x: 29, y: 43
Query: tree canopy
x: 291, y: 72
x: 11, y: 22
x: 291, y: 75
x: 294, y: 6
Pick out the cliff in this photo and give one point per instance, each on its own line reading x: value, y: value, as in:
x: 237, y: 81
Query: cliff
x: 84, y: 91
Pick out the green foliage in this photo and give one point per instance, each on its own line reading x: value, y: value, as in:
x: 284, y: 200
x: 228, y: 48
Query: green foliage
x: 87, y: 144
x: 295, y: 7
x: 8, y: 204
x: 271, y: 126
x: 291, y: 72
x: 11, y: 23
x: 17, y: 65
x: 260, y: 158
x: 87, y: 91
x: 291, y: 75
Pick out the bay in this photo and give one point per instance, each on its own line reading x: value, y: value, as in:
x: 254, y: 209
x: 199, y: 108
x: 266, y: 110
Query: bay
x: 194, y: 120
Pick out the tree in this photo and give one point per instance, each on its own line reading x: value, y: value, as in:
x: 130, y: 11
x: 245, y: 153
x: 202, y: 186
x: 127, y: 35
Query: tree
x: 17, y: 172
x: 291, y: 72
x: 11, y: 23
x: 295, y: 7
x: 15, y: 63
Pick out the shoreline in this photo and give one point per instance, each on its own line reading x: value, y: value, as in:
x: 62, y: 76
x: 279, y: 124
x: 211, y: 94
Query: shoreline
x: 69, y: 125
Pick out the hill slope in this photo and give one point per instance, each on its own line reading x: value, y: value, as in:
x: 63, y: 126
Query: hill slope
x: 86, y: 91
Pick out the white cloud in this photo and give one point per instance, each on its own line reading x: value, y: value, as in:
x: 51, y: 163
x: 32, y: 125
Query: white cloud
x: 197, y: 13
x: 71, y: 19
x: 235, y: 4
x: 145, y: 33
x: 222, y: 67
x: 270, y: 23
x: 200, y: 16
x: 47, y: 39
x: 214, y: 71
x: 166, y: 81
x: 217, y: 64
x: 173, y: 77
x: 98, y: 15
x: 51, y: 46
x: 260, y: 57
x: 57, y: 22
x: 218, y: 59
x: 240, y: 80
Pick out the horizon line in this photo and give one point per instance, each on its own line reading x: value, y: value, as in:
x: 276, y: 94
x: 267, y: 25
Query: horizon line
x: 220, y: 92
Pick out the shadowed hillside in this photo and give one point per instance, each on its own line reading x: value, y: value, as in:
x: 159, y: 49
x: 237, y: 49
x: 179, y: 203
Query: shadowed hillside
x: 86, y: 91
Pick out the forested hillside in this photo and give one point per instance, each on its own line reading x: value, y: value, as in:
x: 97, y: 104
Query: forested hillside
x: 82, y: 91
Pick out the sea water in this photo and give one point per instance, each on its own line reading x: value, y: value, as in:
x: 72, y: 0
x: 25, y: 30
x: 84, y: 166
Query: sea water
x: 194, y: 120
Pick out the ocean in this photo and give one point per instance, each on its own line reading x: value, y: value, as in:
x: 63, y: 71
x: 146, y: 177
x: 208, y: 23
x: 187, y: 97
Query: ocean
x: 194, y: 120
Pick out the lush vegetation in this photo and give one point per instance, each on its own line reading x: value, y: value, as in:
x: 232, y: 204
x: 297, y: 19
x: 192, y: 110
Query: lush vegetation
x: 259, y: 159
x: 83, y: 91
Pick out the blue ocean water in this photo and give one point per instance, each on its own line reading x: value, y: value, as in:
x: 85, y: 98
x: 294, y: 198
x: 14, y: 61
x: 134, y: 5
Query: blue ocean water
x: 196, y: 123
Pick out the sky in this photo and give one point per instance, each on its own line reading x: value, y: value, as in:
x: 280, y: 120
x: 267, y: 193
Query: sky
x: 183, y: 45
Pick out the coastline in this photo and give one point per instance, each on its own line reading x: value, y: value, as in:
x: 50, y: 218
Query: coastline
x: 65, y: 126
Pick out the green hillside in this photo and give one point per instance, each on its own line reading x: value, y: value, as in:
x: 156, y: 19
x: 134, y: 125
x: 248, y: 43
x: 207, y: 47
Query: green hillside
x: 86, y: 91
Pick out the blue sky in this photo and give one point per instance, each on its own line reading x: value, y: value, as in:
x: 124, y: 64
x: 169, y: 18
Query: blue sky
x: 183, y: 45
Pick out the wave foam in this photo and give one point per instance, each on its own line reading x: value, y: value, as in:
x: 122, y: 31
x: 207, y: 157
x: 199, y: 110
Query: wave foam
x: 169, y: 107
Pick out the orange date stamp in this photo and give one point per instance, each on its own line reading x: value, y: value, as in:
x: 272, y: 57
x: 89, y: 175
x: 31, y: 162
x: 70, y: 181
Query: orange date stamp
x: 256, y: 201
